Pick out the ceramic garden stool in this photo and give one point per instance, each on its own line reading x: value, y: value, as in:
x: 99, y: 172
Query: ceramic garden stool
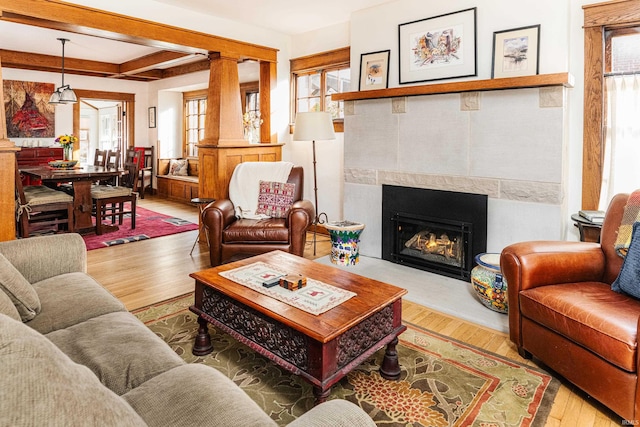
x: 345, y: 236
x: 487, y: 281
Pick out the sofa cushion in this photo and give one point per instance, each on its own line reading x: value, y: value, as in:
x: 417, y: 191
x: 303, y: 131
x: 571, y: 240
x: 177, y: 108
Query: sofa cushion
x: 42, y: 386
x: 275, y: 198
x: 7, y: 307
x: 259, y: 231
x: 628, y: 280
x: 71, y: 298
x: 120, y: 350
x: 178, y: 167
x: 590, y: 314
x: 22, y: 294
x: 172, y: 398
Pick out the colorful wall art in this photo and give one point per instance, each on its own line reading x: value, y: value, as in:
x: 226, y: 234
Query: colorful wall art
x: 27, y: 109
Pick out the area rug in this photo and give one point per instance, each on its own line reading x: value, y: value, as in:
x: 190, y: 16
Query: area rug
x: 149, y: 224
x: 444, y: 382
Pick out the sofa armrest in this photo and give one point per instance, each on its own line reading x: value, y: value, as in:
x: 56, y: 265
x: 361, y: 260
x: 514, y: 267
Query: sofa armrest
x: 216, y: 217
x: 334, y: 413
x: 39, y: 258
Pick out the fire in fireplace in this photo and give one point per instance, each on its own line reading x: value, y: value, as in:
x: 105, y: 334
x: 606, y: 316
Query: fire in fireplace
x: 438, y: 231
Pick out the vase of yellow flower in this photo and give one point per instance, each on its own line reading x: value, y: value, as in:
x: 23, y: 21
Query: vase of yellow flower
x: 251, y: 121
x: 66, y: 141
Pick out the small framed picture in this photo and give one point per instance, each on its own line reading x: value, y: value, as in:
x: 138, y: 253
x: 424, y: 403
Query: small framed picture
x: 440, y: 47
x: 152, y: 117
x: 516, y: 52
x: 374, y: 70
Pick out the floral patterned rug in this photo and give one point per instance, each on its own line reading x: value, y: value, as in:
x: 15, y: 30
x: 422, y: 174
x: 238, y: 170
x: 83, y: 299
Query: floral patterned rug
x: 443, y: 382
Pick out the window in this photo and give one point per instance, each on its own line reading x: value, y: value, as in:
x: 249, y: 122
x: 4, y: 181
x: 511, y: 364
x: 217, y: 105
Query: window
x: 315, y: 78
x: 602, y: 22
x: 195, y: 108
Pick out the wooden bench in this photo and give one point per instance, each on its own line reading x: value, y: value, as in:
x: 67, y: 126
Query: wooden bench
x: 176, y: 187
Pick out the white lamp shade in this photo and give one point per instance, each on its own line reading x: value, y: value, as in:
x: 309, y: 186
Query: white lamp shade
x: 55, y: 98
x: 313, y: 126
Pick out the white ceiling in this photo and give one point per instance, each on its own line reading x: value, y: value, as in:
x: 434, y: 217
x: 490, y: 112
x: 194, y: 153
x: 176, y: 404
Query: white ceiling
x: 286, y: 16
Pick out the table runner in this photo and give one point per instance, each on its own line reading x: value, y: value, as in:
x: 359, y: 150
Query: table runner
x: 315, y: 298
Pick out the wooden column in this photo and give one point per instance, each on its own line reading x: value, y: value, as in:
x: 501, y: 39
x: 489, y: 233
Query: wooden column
x: 7, y: 177
x: 223, y: 124
x: 267, y: 81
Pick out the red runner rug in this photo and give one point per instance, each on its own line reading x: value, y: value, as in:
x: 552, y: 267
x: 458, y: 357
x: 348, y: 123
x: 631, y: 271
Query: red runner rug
x: 149, y: 224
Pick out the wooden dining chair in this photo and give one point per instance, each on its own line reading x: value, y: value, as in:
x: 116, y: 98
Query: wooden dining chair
x: 100, y: 157
x: 112, y: 161
x: 109, y: 200
x: 145, y: 181
x: 40, y: 208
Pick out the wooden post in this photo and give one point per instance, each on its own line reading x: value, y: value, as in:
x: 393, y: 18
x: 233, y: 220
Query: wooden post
x: 7, y: 176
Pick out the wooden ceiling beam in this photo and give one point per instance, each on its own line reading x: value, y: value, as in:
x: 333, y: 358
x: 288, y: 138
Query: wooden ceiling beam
x: 151, y: 61
x: 84, y: 20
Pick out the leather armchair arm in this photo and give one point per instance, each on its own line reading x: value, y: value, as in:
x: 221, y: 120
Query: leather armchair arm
x: 538, y: 263
x: 216, y: 217
x: 301, y: 215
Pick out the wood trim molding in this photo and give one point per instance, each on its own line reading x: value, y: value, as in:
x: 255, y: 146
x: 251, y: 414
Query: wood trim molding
x: 321, y: 60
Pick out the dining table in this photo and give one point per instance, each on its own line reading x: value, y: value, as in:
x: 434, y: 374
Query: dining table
x: 81, y: 177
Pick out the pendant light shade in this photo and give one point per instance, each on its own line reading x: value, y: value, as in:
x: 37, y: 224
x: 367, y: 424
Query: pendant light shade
x: 64, y: 94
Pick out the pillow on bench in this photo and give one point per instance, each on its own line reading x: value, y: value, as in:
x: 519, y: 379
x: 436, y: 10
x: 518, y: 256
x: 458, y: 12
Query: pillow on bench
x: 178, y: 167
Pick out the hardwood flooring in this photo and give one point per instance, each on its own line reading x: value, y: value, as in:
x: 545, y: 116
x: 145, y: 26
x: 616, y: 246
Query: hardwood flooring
x: 154, y: 270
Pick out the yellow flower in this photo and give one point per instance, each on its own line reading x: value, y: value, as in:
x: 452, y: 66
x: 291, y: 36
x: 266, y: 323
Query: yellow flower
x: 65, y: 140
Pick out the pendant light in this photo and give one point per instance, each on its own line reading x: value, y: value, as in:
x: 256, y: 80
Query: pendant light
x: 64, y: 94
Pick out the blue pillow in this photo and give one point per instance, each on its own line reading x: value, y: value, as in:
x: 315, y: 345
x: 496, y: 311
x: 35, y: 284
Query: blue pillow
x: 628, y: 280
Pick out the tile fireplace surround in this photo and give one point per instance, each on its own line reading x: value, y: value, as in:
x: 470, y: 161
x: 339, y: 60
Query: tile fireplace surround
x: 507, y: 144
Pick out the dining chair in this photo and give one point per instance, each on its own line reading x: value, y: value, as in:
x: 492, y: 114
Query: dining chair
x: 39, y: 207
x: 145, y: 181
x: 112, y: 161
x: 100, y: 157
x: 109, y: 200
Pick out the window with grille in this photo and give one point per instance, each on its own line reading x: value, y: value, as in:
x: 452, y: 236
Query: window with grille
x: 195, y: 108
x: 315, y: 78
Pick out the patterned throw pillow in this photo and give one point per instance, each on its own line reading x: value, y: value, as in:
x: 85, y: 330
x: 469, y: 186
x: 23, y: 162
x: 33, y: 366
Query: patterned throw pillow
x: 178, y: 167
x: 275, y: 198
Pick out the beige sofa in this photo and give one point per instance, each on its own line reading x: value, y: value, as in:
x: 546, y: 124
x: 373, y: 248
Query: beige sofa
x: 71, y: 354
x: 178, y: 187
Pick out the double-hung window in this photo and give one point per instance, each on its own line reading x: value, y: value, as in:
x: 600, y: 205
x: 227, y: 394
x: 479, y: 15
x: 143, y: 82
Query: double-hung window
x: 195, y: 108
x: 315, y: 78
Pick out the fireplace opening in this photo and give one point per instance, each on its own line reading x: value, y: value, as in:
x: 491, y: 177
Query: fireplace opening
x: 438, y: 231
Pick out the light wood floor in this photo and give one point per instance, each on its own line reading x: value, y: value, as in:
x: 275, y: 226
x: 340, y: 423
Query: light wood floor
x: 154, y: 270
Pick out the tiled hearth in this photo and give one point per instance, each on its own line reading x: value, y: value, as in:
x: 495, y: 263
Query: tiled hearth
x: 507, y: 144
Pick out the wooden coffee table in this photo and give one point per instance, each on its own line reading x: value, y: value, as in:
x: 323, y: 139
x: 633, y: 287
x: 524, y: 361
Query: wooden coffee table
x: 322, y: 349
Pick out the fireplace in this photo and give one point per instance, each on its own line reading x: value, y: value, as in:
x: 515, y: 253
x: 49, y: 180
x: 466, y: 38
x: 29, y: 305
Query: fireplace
x: 433, y: 230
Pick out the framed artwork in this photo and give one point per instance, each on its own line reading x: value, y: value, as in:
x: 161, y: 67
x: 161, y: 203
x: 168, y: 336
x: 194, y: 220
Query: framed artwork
x: 441, y: 47
x: 516, y: 52
x: 374, y: 70
x: 27, y: 109
x: 152, y: 117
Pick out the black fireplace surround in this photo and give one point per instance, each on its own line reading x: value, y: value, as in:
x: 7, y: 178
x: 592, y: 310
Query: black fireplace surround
x: 450, y: 228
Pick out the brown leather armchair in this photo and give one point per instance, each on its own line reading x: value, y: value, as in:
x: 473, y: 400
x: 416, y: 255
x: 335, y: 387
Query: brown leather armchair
x: 563, y: 312
x: 229, y: 236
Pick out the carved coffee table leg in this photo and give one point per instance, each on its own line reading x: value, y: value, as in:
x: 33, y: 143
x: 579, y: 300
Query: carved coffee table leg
x: 202, y: 345
x: 321, y: 396
x: 390, y: 369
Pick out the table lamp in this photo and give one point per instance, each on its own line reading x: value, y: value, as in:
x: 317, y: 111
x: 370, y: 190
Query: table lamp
x: 314, y: 126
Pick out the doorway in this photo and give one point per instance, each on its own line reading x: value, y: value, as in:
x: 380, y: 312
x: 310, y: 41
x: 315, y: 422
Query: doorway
x: 103, y: 120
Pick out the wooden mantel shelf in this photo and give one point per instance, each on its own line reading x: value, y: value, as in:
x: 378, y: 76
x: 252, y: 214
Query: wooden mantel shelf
x: 540, y: 80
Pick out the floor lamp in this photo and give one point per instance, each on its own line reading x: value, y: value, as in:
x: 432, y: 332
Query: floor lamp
x: 315, y: 126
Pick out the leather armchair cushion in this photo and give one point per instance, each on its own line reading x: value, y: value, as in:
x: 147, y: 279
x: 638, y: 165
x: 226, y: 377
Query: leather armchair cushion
x: 257, y: 231
x: 582, y: 313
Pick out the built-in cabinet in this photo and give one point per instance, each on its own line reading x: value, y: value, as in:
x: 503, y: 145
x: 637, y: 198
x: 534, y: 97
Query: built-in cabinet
x: 36, y: 156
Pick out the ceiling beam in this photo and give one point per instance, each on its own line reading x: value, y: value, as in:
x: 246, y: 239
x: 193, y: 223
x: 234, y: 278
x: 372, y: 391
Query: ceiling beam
x: 84, y: 20
x: 151, y: 61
